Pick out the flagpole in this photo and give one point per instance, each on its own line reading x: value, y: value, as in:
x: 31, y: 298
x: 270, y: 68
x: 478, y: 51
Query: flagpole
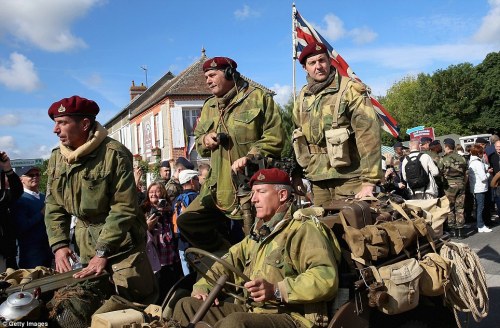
x: 294, y: 50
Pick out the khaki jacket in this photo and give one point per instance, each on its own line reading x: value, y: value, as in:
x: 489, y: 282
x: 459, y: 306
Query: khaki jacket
x: 253, y: 123
x: 98, y: 189
x: 314, y: 115
x: 300, y: 256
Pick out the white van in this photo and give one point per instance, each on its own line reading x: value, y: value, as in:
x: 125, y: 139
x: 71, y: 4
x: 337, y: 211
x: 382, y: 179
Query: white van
x: 470, y: 140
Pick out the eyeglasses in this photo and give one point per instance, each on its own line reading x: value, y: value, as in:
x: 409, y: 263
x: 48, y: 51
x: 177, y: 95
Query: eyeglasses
x: 33, y: 175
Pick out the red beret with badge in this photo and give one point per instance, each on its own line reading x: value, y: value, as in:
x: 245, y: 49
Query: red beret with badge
x: 312, y: 49
x: 220, y: 63
x: 73, y: 106
x: 270, y: 176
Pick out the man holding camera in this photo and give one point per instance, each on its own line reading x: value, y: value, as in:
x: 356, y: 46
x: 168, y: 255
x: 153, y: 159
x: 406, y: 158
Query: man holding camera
x: 238, y: 122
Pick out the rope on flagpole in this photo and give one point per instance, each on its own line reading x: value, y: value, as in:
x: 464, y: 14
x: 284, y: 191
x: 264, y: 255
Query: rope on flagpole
x: 294, y: 49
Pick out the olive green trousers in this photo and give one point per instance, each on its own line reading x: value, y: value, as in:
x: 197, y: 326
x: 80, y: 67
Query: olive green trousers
x: 229, y: 315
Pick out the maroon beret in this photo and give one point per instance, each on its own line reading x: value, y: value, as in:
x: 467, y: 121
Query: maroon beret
x: 219, y: 63
x: 312, y: 49
x: 73, y: 106
x: 270, y: 176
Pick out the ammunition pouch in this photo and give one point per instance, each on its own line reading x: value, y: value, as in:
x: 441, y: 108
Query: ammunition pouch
x: 300, y: 148
x: 435, y: 278
x: 337, y: 146
x: 401, y: 280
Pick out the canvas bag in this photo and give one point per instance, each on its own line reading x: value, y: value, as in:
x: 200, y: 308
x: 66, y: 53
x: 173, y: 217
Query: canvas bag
x: 435, y: 278
x: 337, y: 145
x: 300, y: 147
x: 401, y: 280
x: 369, y: 242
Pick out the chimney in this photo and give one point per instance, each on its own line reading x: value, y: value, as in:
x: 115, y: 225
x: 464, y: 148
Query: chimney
x: 136, y: 91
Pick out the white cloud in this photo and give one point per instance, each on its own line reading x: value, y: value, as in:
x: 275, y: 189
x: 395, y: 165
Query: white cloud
x: 283, y: 93
x: 44, y: 23
x: 489, y: 32
x: 418, y: 58
x: 335, y: 30
x: 19, y: 73
x: 245, y: 12
x: 362, y: 35
x: 9, y: 120
x: 7, y: 143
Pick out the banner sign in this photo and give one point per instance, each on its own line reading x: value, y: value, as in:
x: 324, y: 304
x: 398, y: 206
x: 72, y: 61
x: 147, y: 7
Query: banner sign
x: 425, y: 132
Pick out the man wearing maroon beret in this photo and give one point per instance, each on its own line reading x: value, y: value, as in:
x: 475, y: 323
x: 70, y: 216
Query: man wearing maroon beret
x: 290, y: 259
x: 90, y: 176
x: 238, y: 122
x: 337, y: 135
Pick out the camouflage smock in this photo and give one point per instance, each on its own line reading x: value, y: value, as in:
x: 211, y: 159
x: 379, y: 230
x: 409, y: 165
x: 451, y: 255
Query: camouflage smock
x: 300, y: 256
x: 99, y: 189
x: 253, y: 123
x: 355, y: 113
x: 453, y: 167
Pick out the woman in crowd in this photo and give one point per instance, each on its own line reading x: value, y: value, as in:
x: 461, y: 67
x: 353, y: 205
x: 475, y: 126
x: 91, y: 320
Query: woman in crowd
x: 161, y: 244
x: 478, y: 180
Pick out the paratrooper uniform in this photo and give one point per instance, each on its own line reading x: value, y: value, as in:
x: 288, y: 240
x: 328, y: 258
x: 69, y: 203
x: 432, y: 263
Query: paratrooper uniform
x: 253, y: 125
x: 299, y: 255
x: 453, y: 168
x: 99, y: 189
x: 313, y: 114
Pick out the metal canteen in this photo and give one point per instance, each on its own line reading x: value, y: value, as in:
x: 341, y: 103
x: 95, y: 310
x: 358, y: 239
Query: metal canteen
x: 17, y: 306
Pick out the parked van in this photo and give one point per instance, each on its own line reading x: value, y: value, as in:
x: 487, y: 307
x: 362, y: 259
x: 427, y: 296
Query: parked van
x: 470, y: 140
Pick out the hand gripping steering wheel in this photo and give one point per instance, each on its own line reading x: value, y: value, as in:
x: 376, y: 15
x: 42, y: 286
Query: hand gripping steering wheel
x: 194, y: 256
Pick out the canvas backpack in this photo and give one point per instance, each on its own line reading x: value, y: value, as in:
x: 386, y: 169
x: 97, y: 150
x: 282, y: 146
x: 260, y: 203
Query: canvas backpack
x: 416, y: 176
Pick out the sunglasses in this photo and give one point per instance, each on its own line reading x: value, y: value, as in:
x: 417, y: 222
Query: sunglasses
x: 32, y: 175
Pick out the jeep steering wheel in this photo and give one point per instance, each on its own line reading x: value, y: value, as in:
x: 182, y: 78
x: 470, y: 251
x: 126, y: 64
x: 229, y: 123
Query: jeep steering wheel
x: 194, y: 257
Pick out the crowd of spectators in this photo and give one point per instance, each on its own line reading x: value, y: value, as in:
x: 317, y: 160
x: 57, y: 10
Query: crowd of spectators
x: 469, y: 177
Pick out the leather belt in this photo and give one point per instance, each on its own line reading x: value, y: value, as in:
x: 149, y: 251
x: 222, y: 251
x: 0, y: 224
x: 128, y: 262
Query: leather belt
x: 315, y: 149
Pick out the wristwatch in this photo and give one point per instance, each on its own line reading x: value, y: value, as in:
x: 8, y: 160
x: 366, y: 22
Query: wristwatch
x: 277, y: 294
x: 101, y: 253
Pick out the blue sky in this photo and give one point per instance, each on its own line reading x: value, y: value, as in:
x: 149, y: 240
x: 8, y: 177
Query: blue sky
x: 51, y: 49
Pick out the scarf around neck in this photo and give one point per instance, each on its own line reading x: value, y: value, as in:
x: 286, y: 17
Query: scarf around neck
x: 315, y: 87
x: 226, y: 99
x: 96, y: 137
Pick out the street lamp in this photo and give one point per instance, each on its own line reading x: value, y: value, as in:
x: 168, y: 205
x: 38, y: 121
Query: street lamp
x: 145, y: 68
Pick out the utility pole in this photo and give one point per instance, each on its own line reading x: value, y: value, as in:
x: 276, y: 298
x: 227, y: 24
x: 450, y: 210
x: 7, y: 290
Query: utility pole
x: 145, y: 68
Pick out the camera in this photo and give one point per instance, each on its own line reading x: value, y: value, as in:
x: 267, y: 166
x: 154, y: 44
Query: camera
x: 223, y: 139
x: 155, y: 211
x: 162, y: 203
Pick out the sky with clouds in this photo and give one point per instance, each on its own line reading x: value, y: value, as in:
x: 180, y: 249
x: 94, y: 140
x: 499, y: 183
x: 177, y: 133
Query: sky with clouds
x: 52, y: 49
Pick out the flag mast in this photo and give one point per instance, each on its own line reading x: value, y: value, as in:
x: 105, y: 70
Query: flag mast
x: 294, y: 50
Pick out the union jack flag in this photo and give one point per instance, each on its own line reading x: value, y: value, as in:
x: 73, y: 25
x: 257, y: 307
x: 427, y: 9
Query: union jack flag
x: 304, y: 34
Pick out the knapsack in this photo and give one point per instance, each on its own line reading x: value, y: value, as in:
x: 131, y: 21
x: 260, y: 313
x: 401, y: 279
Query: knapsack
x: 416, y: 176
x: 180, y: 203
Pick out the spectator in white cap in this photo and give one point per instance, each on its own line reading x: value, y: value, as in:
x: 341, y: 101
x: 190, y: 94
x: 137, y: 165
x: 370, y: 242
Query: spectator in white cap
x: 190, y: 183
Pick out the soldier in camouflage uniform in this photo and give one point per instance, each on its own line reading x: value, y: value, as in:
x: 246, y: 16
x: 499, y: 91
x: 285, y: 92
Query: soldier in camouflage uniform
x: 90, y: 176
x: 239, y: 121
x: 453, y: 167
x: 435, y: 149
x: 318, y: 112
x: 291, y: 261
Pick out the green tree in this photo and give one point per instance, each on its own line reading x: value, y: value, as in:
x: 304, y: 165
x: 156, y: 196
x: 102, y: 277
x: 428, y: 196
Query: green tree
x: 43, y: 176
x: 488, y: 100
x: 287, y: 121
